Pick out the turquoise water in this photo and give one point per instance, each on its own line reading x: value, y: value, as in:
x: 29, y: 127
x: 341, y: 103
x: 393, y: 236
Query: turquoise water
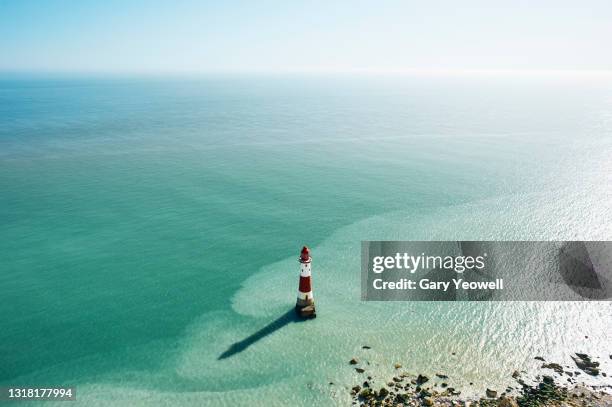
x: 149, y: 224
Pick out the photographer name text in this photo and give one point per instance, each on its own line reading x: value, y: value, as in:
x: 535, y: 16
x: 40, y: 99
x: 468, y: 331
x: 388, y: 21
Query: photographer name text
x: 428, y: 284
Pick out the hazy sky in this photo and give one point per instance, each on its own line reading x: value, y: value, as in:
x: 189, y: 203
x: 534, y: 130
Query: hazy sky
x: 194, y: 36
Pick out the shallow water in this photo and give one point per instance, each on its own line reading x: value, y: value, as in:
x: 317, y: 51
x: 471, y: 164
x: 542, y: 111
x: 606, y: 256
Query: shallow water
x: 149, y: 225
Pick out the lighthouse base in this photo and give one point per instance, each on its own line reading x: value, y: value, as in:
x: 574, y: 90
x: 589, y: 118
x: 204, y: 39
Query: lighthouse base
x: 306, y: 312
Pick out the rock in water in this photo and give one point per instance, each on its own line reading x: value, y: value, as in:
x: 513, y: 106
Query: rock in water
x: 491, y: 393
x: 422, y: 379
x: 554, y: 366
x: 366, y: 393
x: 548, y: 380
x: 507, y: 402
x: 353, y: 361
x: 584, y: 362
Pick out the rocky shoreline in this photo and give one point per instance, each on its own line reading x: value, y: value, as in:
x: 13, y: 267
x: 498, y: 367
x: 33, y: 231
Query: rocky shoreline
x: 409, y: 389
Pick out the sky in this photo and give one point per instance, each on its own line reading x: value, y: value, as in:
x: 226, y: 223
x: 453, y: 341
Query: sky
x: 185, y: 36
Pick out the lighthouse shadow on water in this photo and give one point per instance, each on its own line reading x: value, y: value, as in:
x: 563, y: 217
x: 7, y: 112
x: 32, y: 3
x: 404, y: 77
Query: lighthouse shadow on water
x: 304, y: 309
x: 285, y: 319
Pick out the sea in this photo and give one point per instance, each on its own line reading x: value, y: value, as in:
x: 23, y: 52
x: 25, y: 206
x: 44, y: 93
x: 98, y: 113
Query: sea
x: 150, y: 228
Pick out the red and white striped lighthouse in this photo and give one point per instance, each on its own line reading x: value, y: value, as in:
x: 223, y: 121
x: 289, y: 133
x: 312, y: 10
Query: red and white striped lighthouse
x: 305, y: 301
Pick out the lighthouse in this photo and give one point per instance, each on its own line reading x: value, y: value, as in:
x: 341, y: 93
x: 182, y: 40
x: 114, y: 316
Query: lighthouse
x: 305, y: 301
